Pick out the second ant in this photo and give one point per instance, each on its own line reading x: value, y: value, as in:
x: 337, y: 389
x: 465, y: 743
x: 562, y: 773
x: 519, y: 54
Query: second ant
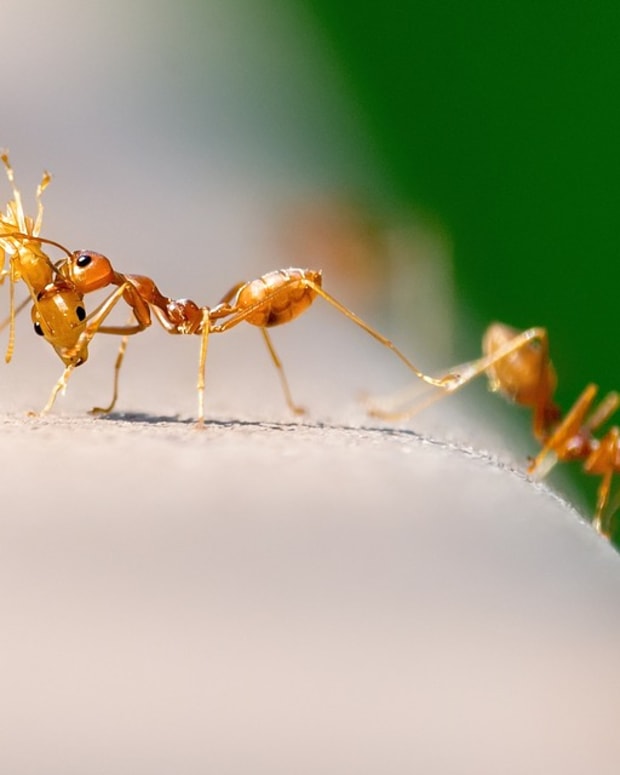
x: 517, y: 365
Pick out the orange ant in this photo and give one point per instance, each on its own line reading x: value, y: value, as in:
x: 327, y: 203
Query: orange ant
x: 518, y: 366
x: 273, y: 299
x: 58, y: 304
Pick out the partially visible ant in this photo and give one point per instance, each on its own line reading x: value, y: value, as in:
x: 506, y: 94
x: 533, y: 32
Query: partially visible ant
x: 58, y: 304
x: 518, y: 366
x: 273, y: 299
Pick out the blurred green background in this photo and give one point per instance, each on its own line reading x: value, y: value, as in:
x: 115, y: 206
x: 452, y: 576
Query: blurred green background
x: 504, y: 119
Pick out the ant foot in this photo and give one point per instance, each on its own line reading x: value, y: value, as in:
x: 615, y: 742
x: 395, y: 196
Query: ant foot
x: 450, y: 381
x: 100, y: 410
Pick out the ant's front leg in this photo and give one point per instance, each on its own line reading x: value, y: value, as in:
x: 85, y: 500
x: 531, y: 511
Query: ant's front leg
x: 125, y: 332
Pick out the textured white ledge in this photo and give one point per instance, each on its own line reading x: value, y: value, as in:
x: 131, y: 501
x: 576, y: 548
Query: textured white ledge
x: 266, y: 597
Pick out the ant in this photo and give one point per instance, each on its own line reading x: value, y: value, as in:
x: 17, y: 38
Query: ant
x: 518, y: 366
x: 271, y: 300
x: 57, y: 302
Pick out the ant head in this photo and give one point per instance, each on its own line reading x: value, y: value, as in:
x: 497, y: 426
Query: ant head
x: 88, y: 271
x: 59, y: 316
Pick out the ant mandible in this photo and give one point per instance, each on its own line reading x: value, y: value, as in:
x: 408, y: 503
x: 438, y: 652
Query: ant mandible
x: 517, y: 365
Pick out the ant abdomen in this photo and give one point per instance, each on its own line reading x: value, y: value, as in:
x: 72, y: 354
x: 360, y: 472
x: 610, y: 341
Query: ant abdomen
x: 523, y: 375
x: 279, y: 296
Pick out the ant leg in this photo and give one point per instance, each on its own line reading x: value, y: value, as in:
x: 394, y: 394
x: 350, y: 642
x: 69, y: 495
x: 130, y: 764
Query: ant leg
x: 124, y: 331
x: 61, y: 385
x: 283, y: 381
x: 601, y: 525
x: 13, y: 312
x: 604, y: 456
x: 447, y: 382
x: 605, y: 409
x: 117, y: 368
x: 603, y: 461
x: 416, y: 404
x: 223, y: 309
x: 569, y: 426
x: 17, y: 199
x: 458, y: 377
x: 97, y: 317
x: 45, y: 181
x: 202, y: 364
x: 10, y: 347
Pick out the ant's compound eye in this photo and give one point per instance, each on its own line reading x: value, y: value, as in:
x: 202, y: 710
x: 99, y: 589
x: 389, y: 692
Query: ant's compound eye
x: 83, y: 260
x: 38, y: 330
x: 80, y: 312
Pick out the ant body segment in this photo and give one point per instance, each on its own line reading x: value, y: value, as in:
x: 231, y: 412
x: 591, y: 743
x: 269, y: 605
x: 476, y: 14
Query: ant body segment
x: 518, y: 366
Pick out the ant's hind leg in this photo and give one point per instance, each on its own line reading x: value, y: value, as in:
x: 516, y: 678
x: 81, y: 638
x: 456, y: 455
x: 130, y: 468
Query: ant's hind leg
x: 447, y: 381
x: 283, y: 381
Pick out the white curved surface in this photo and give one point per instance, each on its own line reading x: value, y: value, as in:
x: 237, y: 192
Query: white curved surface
x: 295, y: 598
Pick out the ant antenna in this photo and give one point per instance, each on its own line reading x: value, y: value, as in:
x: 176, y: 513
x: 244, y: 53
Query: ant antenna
x: 43, y: 240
